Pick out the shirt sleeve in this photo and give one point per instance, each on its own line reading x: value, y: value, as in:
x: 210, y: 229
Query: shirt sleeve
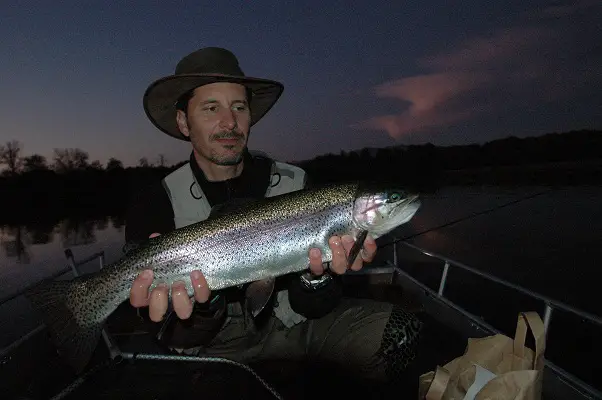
x: 148, y: 212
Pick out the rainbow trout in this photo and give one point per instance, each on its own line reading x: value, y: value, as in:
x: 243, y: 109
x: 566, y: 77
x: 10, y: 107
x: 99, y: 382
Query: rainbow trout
x: 245, y: 244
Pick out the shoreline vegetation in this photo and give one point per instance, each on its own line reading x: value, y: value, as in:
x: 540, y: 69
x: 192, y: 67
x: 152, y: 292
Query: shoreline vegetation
x: 37, y: 191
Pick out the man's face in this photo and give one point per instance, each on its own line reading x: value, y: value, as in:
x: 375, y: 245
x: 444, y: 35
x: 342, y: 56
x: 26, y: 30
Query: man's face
x: 218, y: 122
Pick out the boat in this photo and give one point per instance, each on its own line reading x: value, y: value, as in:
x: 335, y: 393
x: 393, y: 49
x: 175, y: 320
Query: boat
x: 130, y: 364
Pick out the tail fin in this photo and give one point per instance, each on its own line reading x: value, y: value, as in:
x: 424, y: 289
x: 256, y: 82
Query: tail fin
x: 74, y: 335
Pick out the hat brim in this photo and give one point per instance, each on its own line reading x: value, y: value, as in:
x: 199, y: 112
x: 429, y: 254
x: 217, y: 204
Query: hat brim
x: 160, y: 98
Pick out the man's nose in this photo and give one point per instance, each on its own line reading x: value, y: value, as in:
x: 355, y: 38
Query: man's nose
x: 228, y: 119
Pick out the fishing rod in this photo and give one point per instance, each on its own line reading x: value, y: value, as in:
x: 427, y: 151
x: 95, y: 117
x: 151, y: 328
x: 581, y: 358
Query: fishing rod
x: 467, y: 217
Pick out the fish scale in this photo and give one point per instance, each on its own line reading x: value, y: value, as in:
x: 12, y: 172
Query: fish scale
x: 241, y: 244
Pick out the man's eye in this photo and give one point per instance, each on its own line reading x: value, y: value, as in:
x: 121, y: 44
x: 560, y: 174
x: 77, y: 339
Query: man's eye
x: 211, y: 108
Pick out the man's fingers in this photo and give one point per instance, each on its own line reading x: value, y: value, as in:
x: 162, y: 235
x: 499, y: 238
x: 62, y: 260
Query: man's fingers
x: 182, y: 304
x: 139, y: 290
x: 339, y: 256
x: 201, y: 289
x: 158, y: 302
x: 315, y: 261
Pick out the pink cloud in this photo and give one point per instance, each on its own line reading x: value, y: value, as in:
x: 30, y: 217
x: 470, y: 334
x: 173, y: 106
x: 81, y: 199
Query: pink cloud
x: 427, y: 96
x: 525, y: 64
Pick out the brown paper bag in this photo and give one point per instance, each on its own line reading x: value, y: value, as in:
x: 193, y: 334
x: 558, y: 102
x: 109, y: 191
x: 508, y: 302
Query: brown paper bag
x: 493, y: 367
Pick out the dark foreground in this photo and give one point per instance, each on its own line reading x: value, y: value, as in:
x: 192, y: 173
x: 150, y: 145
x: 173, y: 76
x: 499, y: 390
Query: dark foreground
x: 33, y: 371
x: 37, y: 373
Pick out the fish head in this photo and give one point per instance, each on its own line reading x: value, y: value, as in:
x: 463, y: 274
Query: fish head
x: 381, y: 211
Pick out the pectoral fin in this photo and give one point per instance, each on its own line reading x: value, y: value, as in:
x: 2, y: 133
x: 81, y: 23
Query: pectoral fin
x: 258, y: 294
x: 357, y: 247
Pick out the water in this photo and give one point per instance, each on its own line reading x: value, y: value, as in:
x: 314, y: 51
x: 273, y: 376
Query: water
x: 551, y: 242
x: 30, y: 253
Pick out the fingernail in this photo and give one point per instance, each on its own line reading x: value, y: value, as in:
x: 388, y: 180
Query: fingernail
x: 348, y: 239
x: 178, y: 288
x: 147, y: 274
x: 196, y: 275
x: 314, y: 252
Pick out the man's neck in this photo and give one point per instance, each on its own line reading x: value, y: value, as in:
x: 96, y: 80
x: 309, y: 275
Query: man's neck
x: 216, y: 173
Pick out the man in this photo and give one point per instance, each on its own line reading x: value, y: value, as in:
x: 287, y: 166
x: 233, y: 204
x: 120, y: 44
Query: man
x: 211, y: 103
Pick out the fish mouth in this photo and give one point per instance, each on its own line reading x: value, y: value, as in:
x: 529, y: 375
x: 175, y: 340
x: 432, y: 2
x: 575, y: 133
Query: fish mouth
x: 412, y: 201
x: 412, y: 198
x: 398, y: 214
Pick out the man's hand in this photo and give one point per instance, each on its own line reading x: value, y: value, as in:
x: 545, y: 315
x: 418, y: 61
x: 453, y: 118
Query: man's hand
x: 157, y: 299
x: 341, y: 246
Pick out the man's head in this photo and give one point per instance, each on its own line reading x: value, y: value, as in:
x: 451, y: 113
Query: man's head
x: 216, y: 118
x: 176, y: 104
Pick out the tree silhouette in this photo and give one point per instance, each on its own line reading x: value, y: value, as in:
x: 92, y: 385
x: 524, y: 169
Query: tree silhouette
x: 34, y: 162
x: 95, y: 165
x: 9, y: 156
x: 114, y: 164
x: 143, y: 162
x: 66, y: 160
x: 162, y: 161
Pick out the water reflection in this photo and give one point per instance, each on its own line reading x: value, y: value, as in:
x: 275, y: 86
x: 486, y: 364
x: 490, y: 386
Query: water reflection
x: 16, y: 241
x: 77, y: 233
x: 118, y: 222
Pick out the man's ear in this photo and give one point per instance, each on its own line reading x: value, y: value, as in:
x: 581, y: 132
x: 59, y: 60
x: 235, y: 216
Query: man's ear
x: 182, y: 122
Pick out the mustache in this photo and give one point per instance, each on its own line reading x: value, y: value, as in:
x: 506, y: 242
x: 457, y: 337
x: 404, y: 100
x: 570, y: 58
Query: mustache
x: 233, y: 134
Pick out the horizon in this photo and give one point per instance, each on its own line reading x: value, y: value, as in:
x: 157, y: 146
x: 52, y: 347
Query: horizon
x: 49, y: 162
x: 376, y: 76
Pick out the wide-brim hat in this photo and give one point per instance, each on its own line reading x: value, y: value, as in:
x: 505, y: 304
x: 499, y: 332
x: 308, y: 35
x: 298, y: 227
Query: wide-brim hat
x: 202, y: 67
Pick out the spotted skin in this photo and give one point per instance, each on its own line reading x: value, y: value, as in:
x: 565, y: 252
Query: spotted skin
x: 263, y: 239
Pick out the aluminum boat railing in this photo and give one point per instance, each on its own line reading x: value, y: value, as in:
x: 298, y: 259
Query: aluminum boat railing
x: 548, y: 305
x: 73, y: 267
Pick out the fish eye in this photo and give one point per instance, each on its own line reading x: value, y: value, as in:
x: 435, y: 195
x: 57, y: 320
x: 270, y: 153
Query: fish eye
x: 394, y: 197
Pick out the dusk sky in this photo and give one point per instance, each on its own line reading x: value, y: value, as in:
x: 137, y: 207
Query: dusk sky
x: 356, y: 73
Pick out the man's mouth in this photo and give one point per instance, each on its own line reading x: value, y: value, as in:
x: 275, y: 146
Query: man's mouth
x: 228, y: 139
x: 228, y: 142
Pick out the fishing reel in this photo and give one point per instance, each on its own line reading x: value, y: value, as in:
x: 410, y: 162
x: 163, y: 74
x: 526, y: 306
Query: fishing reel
x: 314, y: 295
x: 314, y: 282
